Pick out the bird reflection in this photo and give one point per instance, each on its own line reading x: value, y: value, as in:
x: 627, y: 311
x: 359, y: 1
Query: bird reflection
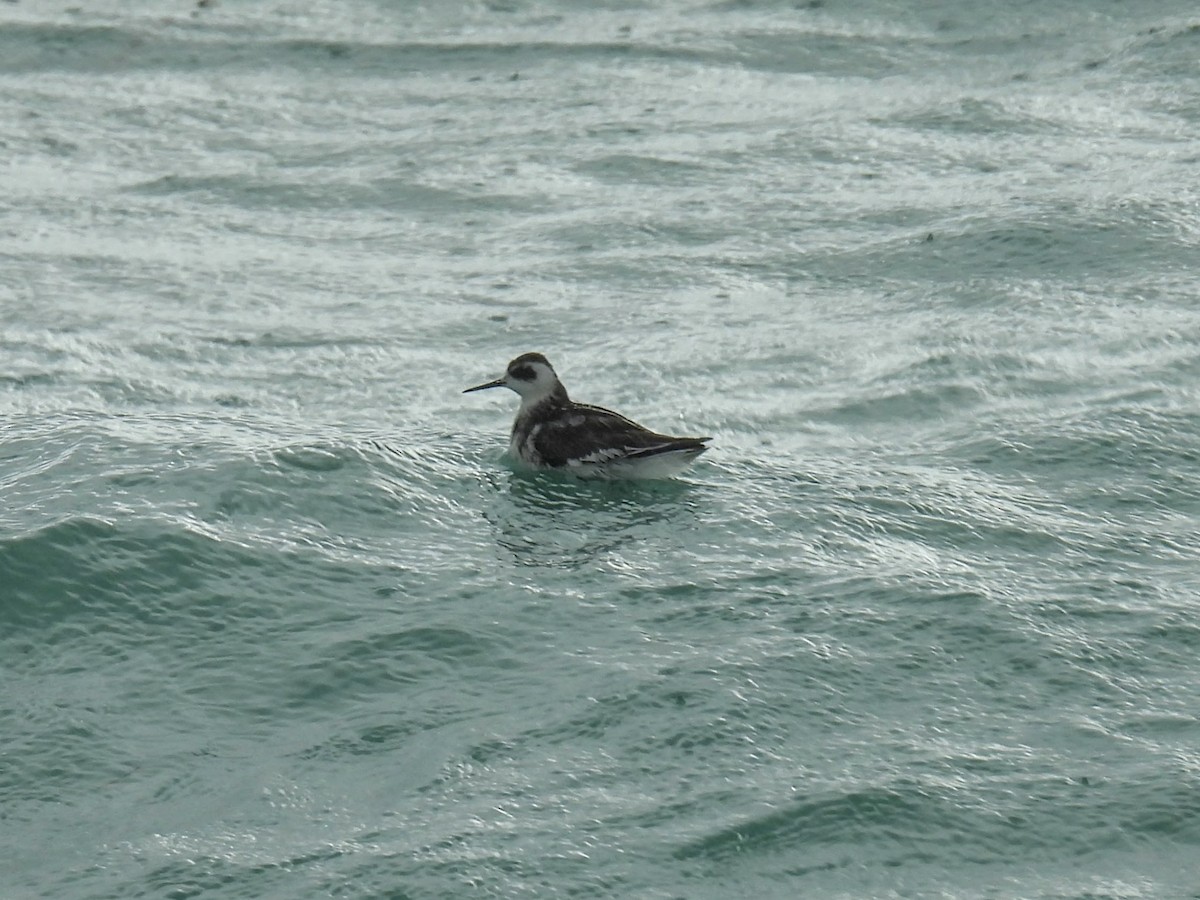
x: 546, y: 520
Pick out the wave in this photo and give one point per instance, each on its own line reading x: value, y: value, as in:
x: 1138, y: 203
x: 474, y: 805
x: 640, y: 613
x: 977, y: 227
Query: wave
x: 105, y: 49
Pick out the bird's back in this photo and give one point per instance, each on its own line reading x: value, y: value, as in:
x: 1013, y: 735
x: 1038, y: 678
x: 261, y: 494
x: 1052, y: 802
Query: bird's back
x: 588, y: 439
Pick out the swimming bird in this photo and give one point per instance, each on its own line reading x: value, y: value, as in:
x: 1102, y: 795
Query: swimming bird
x: 552, y: 431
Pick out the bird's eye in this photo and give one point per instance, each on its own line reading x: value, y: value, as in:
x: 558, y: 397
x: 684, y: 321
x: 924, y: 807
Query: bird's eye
x: 524, y: 373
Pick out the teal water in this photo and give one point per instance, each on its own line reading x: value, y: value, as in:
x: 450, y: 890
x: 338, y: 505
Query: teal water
x: 277, y: 619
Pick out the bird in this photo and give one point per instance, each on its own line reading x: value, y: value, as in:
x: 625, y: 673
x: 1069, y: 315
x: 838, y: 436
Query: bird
x: 553, y: 432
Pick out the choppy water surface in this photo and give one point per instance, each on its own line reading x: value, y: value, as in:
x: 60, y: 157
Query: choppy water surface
x: 276, y: 619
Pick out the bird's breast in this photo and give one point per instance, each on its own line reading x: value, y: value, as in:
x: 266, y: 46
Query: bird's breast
x: 521, y: 445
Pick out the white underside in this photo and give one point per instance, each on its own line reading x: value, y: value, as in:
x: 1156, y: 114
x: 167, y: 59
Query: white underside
x: 661, y: 465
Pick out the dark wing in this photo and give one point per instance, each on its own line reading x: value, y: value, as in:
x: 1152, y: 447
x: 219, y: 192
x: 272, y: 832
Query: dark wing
x: 592, y: 435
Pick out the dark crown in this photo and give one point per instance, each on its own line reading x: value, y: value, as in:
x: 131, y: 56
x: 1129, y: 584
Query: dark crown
x: 526, y: 358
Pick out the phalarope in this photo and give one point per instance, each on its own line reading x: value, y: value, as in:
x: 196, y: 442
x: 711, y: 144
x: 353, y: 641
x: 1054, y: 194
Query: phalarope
x: 552, y: 431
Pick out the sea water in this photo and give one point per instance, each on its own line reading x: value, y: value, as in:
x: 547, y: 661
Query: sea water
x: 278, y: 620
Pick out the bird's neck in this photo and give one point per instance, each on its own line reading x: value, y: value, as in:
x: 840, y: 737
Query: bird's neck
x: 538, y: 404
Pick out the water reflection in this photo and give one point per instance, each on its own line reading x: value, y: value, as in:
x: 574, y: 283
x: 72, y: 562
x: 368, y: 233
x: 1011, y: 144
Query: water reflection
x: 544, y: 519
